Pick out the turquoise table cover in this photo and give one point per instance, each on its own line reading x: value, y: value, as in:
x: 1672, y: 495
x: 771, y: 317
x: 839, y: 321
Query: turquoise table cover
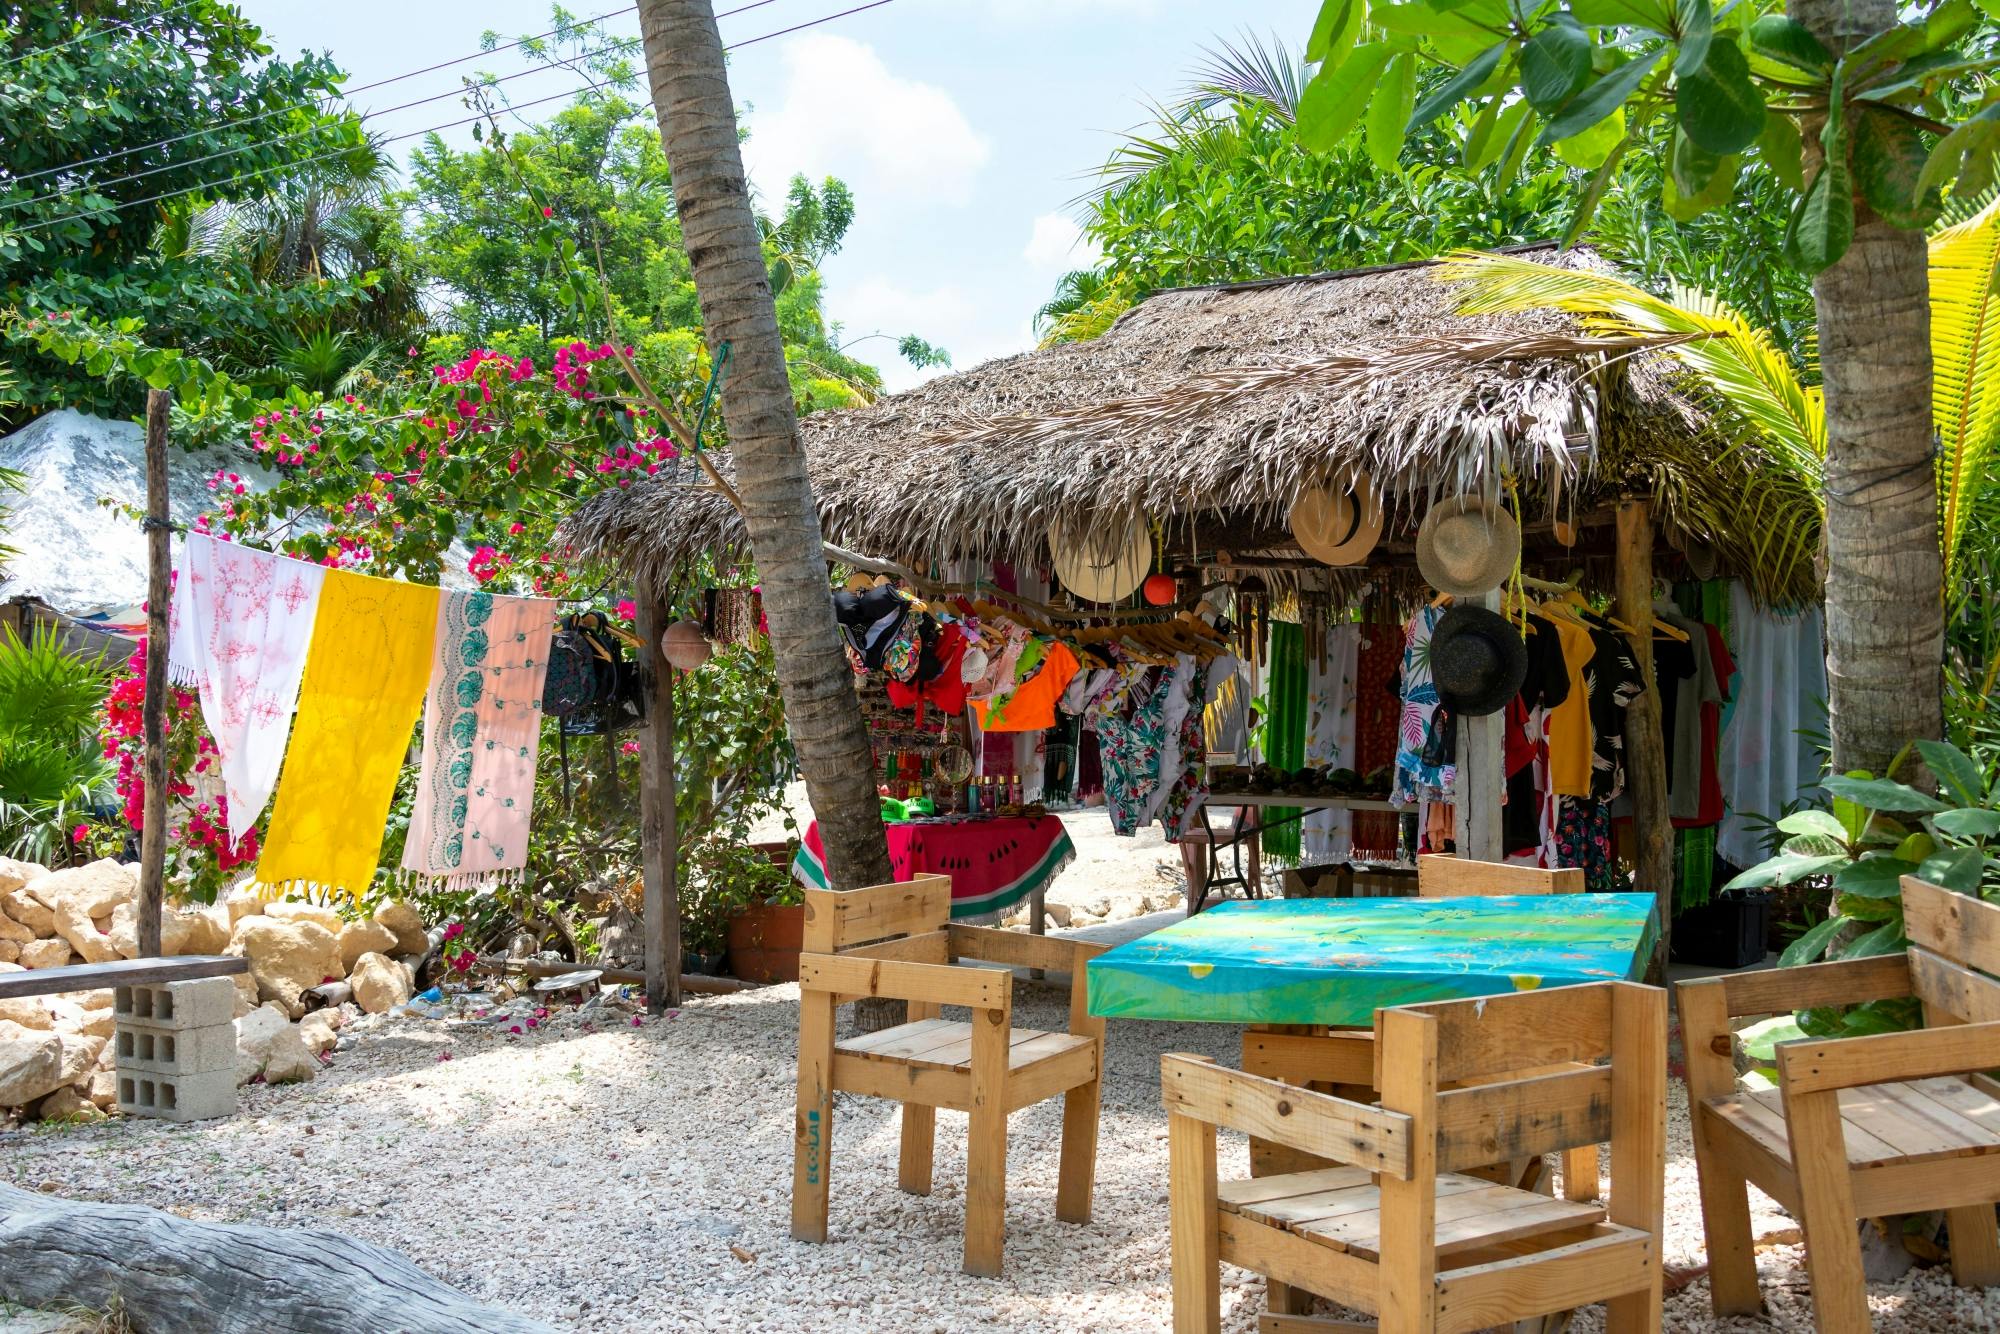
x: 1336, y: 961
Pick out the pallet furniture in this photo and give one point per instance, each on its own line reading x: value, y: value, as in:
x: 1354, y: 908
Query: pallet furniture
x: 897, y: 941
x: 1857, y: 1127
x: 1202, y: 845
x: 1442, y: 876
x: 1397, y: 1226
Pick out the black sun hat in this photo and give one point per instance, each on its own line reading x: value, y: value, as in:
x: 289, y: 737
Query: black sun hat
x: 1478, y: 661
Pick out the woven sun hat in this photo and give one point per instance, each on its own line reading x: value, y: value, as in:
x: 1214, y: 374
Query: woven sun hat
x: 1339, y: 525
x: 1103, y: 563
x: 1478, y: 661
x: 1703, y: 560
x: 1467, y: 546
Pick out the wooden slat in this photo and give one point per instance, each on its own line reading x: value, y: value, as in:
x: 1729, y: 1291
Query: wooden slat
x: 1268, y: 1323
x: 1477, y: 1296
x: 979, y: 988
x: 1441, y: 875
x: 1782, y: 990
x: 836, y: 919
x: 1017, y: 949
x: 1326, y: 1127
x: 1910, y: 1124
x: 1966, y: 1098
x: 1297, y: 1262
x: 905, y: 1039
x: 1193, y: 1225
x: 1301, y: 1058
x: 1919, y: 1187
x: 930, y: 947
x: 899, y: 1082
x: 1523, y: 1118
x: 1052, y: 1073
x: 1638, y: 1137
x: 1499, y: 1035
x: 1967, y: 996
x: 1814, y: 1064
x: 1961, y: 927
x: 1321, y: 1212
x: 119, y: 973
x: 1747, y: 1153
x: 1247, y: 1191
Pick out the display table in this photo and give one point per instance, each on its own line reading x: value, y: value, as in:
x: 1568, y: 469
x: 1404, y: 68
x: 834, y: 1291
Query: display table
x: 1244, y: 831
x: 994, y: 861
x: 1336, y: 961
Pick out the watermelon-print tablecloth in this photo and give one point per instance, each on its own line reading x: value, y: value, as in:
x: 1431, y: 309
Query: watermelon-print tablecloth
x: 994, y: 862
x: 1336, y: 961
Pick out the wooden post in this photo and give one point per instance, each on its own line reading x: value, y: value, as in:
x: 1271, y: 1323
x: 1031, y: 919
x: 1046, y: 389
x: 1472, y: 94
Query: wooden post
x: 1645, y: 747
x: 657, y: 830
x: 1482, y: 776
x: 159, y: 589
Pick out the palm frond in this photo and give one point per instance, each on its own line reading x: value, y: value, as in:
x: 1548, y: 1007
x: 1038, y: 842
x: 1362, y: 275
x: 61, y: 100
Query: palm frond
x: 1248, y: 69
x: 45, y: 690
x: 1965, y: 371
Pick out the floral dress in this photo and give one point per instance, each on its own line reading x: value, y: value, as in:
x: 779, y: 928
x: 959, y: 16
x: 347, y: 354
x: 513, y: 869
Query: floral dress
x: 1416, y: 780
x: 1130, y: 745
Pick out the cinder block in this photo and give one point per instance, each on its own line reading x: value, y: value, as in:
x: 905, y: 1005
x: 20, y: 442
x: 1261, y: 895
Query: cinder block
x: 173, y: 1051
x: 200, y: 1097
x: 200, y: 1003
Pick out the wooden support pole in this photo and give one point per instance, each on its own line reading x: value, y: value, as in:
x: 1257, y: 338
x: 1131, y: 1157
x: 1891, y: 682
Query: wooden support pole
x: 1645, y: 747
x: 1482, y: 775
x: 658, y: 833
x: 159, y: 589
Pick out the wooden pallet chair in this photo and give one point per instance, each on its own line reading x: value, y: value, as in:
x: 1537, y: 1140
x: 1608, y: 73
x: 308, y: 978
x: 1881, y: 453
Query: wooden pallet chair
x: 898, y: 942
x: 1444, y: 876
x: 1858, y: 1127
x: 1398, y: 1227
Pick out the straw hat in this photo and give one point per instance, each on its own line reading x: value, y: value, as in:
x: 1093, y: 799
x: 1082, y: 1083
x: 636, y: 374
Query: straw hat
x: 1339, y: 525
x: 1104, y: 565
x: 1477, y: 660
x: 1467, y: 546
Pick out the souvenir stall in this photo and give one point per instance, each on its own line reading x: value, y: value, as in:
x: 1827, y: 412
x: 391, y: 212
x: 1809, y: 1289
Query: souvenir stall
x: 1415, y: 572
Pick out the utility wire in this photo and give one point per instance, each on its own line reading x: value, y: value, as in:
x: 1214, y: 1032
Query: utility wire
x: 413, y: 134
x: 346, y: 93
x: 89, y: 33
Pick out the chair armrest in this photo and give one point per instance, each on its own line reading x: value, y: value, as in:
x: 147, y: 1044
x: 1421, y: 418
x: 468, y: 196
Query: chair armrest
x: 1815, y: 1065
x: 1020, y: 950
x: 1315, y: 1123
x: 1782, y: 990
x: 851, y: 978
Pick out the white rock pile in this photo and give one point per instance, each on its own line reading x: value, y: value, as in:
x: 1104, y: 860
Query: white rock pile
x: 55, y: 1052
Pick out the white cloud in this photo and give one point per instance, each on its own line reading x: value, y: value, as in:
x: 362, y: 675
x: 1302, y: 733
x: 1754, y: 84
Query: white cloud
x: 842, y: 113
x: 948, y: 314
x: 1057, y: 245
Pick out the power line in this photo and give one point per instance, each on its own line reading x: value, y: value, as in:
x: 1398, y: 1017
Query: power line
x: 89, y: 33
x: 413, y: 134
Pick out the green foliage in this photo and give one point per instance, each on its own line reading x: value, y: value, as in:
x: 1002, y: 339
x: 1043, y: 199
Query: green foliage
x: 52, y: 771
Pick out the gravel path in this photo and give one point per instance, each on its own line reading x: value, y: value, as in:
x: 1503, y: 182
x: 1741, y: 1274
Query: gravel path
x: 600, y: 1175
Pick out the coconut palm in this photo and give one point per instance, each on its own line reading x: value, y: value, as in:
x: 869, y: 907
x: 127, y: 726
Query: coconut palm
x: 52, y: 770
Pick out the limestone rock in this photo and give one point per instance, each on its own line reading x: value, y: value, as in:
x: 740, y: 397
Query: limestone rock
x: 208, y: 929
x: 66, y: 1104
x: 176, y: 933
x: 31, y: 1064
x: 241, y: 904
x: 102, y: 1088
x: 10, y: 953
x: 12, y: 967
x: 305, y: 912
x: 80, y: 929
x: 246, y: 994
x: 14, y: 874
x: 28, y: 1012
x: 17, y: 932
x: 28, y: 910
x: 52, y: 953
x: 267, y: 1044
x: 381, y: 983
x: 96, y: 889
x: 359, y: 938
x: 401, y: 918
x: 316, y: 1030
x: 286, y: 957
x: 79, y: 1055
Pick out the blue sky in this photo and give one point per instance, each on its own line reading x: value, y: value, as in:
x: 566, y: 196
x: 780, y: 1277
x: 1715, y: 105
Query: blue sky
x: 962, y: 125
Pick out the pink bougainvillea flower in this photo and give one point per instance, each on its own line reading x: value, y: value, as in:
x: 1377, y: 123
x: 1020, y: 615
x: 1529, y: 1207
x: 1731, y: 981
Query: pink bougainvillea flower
x: 80, y: 833
x: 548, y: 212
x: 444, y: 1056
x: 627, y: 609
x: 637, y: 1021
x: 513, y: 1028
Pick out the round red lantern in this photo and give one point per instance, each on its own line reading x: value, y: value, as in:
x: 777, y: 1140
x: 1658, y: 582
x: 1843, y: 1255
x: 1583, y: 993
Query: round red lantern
x: 1160, y: 589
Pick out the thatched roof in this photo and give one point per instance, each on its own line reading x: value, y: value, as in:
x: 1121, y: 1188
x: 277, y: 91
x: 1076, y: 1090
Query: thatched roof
x: 1206, y: 410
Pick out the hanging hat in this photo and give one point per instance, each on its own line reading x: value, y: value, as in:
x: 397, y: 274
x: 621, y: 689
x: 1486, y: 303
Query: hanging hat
x: 685, y: 646
x: 1703, y: 560
x: 1477, y: 661
x: 1339, y: 525
x: 1105, y: 564
x: 1467, y: 546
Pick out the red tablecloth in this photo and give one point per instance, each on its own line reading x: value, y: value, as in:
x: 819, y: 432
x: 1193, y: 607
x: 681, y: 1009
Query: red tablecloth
x: 994, y: 862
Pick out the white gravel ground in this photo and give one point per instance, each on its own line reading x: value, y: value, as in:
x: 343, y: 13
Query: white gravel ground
x: 638, y: 1178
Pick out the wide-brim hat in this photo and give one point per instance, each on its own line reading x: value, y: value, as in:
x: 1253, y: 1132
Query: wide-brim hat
x: 1478, y: 661
x: 1339, y: 525
x: 1703, y: 560
x: 1104, y: 564
x: 1467, y: 546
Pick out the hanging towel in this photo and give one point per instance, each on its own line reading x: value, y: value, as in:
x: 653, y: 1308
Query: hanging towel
x: 364, y: 684
x: 240, y: 623
x: 1330, y: 738
x: 1285, y: 730
x: 1770, y: 752
x: 482, y: 727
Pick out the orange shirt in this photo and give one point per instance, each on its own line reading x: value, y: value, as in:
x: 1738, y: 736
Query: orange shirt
x: 1031, y: 706
x: 1569, y: 722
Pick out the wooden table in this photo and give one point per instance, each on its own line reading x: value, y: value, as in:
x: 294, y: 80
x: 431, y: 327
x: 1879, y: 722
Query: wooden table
x: 1198, y: 894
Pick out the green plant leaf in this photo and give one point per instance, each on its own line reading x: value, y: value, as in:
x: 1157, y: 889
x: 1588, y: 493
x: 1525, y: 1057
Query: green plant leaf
x: 1881, y: 794
x: 1424, y: 20
x: 1458, y: 87
x: 1716, y: 191
x: 1331, y: 21
x: 1889, y: 157
x: 1954, y: 768
x: 1555, y: 63
x: 1884, y: 939
x: 1649, y: 14
x: 1866, y: 909
x: 1589, y: 149
x: 1790, y: 42
x: 1593, y: 193
x: 1697, y: 31
x: 1956, y: 869
x: 1784, y: 149
x: 1808, y: 947
x: 1481, y: 146
x: 1916, y: 848
x: 1759, y: 1039
x: 1719, y: 106
x: 1600, y: 99
x: 1813, y: 822
x: 1389, y: 111
x: 1785, y: 869
x: 1333, y: 102
x: 1876, y: 876
x: 1968, y: 823
x: 1965, y: 156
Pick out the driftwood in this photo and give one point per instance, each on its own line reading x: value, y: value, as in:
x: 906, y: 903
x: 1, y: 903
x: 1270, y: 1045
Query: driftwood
x: 175, y: 1276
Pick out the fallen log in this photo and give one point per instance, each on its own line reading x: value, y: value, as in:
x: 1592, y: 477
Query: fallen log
x: 176, y: 1276
x: 618, y: 977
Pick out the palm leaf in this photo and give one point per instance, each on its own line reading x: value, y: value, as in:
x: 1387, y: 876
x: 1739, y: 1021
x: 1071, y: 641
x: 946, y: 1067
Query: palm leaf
x: 46, y: 691
x: 1965, y: 372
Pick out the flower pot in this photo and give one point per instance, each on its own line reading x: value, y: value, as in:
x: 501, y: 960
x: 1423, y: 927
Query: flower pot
x: 764, y: 942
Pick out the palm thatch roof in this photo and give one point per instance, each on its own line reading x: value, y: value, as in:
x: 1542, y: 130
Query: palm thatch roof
x: 1208, y: 411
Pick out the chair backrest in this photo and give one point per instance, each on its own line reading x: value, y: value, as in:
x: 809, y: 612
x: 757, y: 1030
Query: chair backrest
x: 1954, y: 944
x: 1443, y: 876
x: 843, y: 919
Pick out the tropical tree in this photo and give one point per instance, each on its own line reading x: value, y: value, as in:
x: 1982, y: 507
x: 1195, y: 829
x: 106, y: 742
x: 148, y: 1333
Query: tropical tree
x: 697, y: 119
x: 52, y: 772
x: 1838, y: 101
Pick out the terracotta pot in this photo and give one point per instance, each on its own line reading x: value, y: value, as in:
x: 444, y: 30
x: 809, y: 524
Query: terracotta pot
x: 764, y: 942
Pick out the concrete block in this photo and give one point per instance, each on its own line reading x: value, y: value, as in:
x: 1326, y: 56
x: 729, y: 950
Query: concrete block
x: 199, y: 1003
x: 173, y: 1051
x: 199, y: 1097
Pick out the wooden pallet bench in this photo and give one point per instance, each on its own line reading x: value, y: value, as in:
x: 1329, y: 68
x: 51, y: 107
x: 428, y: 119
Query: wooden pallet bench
x: 119, y: 973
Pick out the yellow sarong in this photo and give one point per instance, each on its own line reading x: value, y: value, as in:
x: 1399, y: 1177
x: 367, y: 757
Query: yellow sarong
x: 366, y: 671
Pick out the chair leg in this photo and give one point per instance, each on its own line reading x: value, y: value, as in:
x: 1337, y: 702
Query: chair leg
x: 986, y: 1146
x: 1833, y: 1242
x: 1637, y: 1312
x: 1194, y: 1241
x: 812, y: 1127
x: 913, y: 1168
x: 1078, y: 1173
x: 1580, y: 1179
x: 1975, y: 1246
x: 1732, y: 1252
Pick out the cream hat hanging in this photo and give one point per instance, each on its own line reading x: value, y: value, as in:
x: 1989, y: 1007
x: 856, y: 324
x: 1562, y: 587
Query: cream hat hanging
x: 1468, y: 546
x: 1339, y: 525
x: 1105, y: 562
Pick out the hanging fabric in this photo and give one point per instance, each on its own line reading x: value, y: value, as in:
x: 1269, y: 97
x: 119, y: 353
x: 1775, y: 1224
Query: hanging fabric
x: 1330, y: 737
x: 365, y: 675
x: 482, y: 729
x: 1377, y: 717
x: 1285, y: 729
x: 1422, y: 774
x: 1768, y: 753
x: 242, y: 620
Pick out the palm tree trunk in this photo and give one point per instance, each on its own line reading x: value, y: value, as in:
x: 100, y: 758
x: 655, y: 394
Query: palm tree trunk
x: 698, y: 127
x: 1884, y: 570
